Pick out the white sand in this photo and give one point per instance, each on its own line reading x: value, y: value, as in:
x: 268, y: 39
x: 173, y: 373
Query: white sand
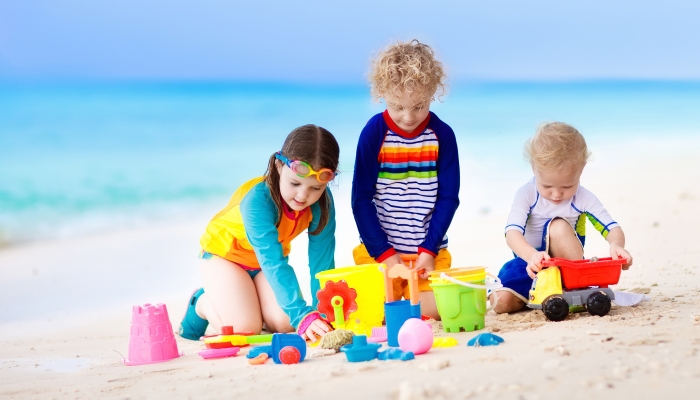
x: 67, y: 309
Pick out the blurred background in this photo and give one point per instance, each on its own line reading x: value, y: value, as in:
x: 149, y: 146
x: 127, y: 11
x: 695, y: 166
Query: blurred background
x: 120, y: 115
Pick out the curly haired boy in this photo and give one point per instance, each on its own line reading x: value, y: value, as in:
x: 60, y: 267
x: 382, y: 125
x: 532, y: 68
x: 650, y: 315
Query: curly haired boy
x: 405, y: 187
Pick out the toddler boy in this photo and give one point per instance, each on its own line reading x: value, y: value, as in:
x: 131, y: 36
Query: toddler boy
x: 548, y: 216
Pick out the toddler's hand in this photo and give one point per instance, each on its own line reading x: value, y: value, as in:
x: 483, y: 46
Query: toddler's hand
x: 318, y: 327
x: 424, y: 265
x: 617, y: 251
x: 534, y: 264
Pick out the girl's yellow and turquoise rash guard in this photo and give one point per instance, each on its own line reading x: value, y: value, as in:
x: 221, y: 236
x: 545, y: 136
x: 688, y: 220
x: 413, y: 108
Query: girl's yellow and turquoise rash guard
x: 245, y: 232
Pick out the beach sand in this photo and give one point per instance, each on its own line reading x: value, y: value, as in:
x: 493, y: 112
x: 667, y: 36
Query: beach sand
x: 647, y: 351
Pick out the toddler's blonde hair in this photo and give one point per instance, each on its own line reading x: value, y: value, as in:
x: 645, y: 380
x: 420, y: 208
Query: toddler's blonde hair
x: 557, y: 146
x: 407, y: 66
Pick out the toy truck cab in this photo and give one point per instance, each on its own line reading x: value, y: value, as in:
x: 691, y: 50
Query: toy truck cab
x: 563, y: 283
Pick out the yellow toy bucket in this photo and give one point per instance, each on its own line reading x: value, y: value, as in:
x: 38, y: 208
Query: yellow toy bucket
x: 368, y: 282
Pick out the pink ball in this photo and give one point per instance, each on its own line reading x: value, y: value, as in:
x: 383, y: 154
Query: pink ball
x: 416, y: 336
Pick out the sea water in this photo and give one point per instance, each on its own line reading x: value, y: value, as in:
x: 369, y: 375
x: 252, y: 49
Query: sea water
x: 80, y: 158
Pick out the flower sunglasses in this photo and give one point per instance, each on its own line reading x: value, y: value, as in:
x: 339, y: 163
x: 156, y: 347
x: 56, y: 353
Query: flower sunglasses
x: 304, y: 170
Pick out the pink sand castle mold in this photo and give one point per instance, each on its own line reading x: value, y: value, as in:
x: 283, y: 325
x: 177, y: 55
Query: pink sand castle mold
x: 152, y: 339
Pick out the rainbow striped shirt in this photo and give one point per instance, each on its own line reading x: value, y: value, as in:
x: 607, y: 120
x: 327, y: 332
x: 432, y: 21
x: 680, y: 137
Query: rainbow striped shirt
x: 405, y: 186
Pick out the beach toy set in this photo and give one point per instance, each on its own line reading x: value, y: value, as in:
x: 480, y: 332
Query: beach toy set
x: 404, y: 327
x: 357, y: 300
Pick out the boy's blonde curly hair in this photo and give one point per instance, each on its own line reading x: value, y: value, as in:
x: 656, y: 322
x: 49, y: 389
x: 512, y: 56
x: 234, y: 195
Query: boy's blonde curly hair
x: 407, y: 66
x: 557, y: 146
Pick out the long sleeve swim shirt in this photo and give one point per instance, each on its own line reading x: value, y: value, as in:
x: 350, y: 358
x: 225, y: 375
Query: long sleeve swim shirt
x: 245, y: 232
x: 530, y: 212
x: 405, y: 187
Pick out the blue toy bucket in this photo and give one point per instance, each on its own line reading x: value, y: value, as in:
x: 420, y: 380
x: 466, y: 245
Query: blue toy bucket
x: 397, y: 312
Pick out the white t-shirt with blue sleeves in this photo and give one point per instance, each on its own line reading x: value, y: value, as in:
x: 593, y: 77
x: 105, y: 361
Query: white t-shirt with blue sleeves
x: 531, y: 212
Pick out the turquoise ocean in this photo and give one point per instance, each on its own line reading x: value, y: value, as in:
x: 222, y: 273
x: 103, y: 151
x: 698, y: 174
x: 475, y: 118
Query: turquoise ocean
x: 81, y: 158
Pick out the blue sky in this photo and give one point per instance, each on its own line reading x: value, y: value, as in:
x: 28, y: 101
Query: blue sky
x: 331, y: 41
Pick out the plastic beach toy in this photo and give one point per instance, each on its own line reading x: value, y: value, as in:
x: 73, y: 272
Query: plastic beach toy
x: 460, y: 296
x: 280, y: 342
x: 219, y: 353
x: 258, y: 350
x: 216, y: 342
x: 398, y: 312
x: 415, y: 336
x: 151, y: 339
x: 360, y: 350
x: 445, y: 342
x: 378, y: 335
x: 563, y: 284
x: 368, y: 283
x: 336, y: 301
x: 229, y: 339
x: 259, y: 360
x: 485, y: 339
x: 393, y: 353
x: 290, y: 355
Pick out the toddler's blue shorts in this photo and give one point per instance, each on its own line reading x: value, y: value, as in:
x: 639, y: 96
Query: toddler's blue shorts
x: 513, y: 274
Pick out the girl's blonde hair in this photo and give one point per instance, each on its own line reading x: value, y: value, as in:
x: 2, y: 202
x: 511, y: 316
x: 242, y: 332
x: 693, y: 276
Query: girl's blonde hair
x: 313, y: 145
x: 557, y: 145
x: 407, y: 66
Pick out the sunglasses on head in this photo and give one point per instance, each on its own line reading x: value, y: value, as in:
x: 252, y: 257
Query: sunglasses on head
x: 304, y: 170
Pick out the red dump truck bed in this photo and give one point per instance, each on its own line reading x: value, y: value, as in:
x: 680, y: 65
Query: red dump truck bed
x: 577, y: 274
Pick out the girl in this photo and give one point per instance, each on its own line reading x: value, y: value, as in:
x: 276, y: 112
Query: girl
x: 247, y: 279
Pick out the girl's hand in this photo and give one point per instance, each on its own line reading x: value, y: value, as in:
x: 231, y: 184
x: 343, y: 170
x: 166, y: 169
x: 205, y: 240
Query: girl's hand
x: 318, y: 327
x: 616, y: 251
x: 424, y: 265
x: 534, y: 264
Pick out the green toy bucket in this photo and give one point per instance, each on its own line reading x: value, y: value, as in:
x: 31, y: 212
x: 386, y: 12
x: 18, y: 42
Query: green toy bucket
x: 460, y: 295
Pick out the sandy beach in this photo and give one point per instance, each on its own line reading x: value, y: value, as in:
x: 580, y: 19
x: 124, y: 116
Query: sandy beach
x: 67, y: 309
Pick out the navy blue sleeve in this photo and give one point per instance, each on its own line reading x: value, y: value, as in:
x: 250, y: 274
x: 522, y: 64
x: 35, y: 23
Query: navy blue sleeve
x: 364, y: 182
x: 448, y: 185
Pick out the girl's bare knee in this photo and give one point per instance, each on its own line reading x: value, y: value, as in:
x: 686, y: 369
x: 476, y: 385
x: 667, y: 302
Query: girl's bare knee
x: 249, y: 326
x: 279, y: 324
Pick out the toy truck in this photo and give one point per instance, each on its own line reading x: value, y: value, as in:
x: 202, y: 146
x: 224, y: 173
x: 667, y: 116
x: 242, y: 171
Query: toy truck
x: 563, y: 283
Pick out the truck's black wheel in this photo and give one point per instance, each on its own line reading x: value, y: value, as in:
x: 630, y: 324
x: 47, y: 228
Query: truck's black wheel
x: 555, y: 308
x: 598, y: 304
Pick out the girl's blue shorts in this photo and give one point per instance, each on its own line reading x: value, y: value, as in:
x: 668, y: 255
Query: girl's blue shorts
x: 205, y: 255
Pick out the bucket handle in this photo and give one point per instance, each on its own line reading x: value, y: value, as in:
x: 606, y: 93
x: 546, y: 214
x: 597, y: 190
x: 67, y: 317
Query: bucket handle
x: 490, y: 288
